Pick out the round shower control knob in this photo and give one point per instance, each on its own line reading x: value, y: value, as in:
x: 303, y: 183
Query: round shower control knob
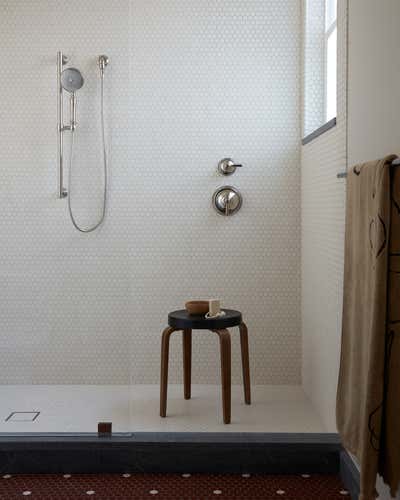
x: 227, y: 200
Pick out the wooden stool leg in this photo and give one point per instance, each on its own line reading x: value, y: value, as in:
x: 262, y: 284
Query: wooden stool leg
x: 225, y: 346
x: 187, y: 362
x: 244, y: 344
x: 164, y: 370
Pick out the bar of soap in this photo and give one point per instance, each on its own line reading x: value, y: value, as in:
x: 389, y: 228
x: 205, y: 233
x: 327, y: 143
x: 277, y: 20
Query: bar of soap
x: 214, y: 307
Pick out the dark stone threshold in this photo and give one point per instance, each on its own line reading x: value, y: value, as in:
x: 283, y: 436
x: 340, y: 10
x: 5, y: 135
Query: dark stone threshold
x: 319, y: 131
x: 170, y: 452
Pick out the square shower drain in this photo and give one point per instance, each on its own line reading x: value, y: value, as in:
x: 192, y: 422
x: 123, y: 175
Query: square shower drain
x: 22, y: 416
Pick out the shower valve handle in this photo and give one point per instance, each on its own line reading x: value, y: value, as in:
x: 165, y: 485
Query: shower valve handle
x: 227, y: 166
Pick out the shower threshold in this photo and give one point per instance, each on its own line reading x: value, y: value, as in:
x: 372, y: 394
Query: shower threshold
x: 278, y: 433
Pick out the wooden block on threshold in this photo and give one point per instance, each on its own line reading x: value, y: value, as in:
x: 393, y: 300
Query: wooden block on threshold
x: 104, y: 429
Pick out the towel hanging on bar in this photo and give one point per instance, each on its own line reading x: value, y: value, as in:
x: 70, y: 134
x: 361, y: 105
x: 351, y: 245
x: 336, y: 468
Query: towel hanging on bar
x: 367, y: 400
x: 343, y: 175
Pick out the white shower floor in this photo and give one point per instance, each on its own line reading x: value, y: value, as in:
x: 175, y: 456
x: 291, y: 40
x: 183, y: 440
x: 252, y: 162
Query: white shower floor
x: 78, y: 408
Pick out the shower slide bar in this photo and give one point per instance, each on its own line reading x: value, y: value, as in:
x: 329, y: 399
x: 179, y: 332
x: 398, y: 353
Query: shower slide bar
x: 343, y: 175
x: 61, y: 60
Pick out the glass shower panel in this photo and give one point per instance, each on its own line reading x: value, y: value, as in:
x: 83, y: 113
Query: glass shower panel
x: 66, y: 315
x: 65, y: 324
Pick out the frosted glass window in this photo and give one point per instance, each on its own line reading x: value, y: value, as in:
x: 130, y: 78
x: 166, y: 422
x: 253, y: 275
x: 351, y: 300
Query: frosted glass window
x: 330, y: 13
x: 320, y: 64
x: 331, y: 72
x: 330, y: 58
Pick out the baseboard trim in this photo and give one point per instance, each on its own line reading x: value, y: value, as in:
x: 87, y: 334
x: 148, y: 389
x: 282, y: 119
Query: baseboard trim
x: 349, y: 475
x: 171, y: 452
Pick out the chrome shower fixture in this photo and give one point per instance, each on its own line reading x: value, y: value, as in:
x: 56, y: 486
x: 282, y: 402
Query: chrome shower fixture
x: 61, y: 60
x: 71, y: 80
x: 103, y: 62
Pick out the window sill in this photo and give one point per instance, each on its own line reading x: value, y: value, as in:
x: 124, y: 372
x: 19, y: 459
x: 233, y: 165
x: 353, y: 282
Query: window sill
x: 319, y: 131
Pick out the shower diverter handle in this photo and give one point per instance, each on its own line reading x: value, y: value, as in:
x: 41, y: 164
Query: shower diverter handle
x: 227, y: 166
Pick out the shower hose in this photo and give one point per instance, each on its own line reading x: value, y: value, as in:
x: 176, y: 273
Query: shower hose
x: 105, y: 169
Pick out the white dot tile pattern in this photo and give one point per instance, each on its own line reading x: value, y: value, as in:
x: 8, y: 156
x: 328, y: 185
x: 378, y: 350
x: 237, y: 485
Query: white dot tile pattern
x: 323, y: 218
x: 181, y: 93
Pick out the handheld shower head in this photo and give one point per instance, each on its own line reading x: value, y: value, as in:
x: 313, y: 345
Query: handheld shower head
x: 71, y: 80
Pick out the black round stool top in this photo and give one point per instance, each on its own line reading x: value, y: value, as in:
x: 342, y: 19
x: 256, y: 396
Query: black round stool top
x: 182, y: 319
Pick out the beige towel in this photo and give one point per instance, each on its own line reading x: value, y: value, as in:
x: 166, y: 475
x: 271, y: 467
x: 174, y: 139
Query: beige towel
x: 368, y: 399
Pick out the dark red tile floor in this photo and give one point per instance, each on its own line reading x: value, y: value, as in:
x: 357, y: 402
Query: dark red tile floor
x: 171, y: 486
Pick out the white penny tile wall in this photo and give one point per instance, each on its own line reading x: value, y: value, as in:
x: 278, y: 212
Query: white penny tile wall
x: 65, y: 297
x: 323, y: 217
x: 189, y: 82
